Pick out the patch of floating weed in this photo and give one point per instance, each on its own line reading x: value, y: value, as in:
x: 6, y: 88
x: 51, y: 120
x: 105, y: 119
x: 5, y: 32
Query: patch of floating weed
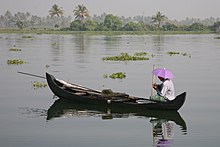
x: 15, y: 49
x: 186, y: 54
x: 47, y: 66
x: 140, y: 54
x: 152, y: 55
x: 37, y: 84
x: 118, y: 75
x: 15, y: 61
x: 127, y: 57
x: 178, y: 53
x: 53, y: 44
x: 218, y: 37
x: 27, y: 37
x: 172, y: 53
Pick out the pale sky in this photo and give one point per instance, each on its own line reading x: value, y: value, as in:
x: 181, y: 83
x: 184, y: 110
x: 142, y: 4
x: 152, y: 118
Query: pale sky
x: 173, y: 9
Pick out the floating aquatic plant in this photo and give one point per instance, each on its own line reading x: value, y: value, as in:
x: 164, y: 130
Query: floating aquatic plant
x: 118, y: 75
x: 37, y: 84
x: 14, y: 49
x: 218, y: 37
x: 47, y: 66
x: 186, y: 54
x: 15, y: 61
x: 172, y: 53
x: 26, y: 36
x: 140, y: 54
x: 152, y: 55
x: 54, y: 44
x: 127, y: 57
x: 178, y: 53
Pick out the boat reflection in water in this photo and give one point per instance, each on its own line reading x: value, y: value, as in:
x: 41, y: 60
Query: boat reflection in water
x: 163, y: 122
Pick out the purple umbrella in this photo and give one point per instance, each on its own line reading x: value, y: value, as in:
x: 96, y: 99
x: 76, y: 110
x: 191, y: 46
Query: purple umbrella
x: 164, y: 73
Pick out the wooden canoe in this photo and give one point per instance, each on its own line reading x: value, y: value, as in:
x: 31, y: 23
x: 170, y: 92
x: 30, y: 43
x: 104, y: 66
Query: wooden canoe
x: 77, y: 93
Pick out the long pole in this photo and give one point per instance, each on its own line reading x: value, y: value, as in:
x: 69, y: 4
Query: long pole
x: 33, y: 75
x: 152, y: 89
x: 38, y: 76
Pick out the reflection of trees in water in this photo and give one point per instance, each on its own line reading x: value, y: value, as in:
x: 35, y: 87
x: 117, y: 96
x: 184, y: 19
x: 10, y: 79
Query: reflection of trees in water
x: 111, y: 40
x: 55, y: 41
x: 81, y: 49
x: 81, y: 43
x: 158, y: 42
x: 113, y: 43
x: 56, y: 49
x: 158, y: 47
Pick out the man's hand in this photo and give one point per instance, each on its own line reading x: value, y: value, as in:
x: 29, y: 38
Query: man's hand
x: 154, y: 86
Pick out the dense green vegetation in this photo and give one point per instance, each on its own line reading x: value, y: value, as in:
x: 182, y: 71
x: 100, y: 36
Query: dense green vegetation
x: 26, y: 36
x: 113, y: 23
x: 56, y: 22
x: 127, y: 57
x: 14, y: 49
x: 172, y: 53
x: 158, y: 18
x: 118, y: 75
x: 217, y: 37
x: 15, y: 61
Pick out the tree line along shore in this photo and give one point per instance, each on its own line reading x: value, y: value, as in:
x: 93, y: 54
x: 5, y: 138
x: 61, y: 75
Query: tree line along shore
x: 56, y: 22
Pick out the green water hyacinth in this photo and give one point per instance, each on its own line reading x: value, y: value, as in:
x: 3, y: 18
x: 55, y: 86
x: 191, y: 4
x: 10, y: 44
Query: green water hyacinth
x: 127, y: 57
x: 39, y: 84
x: 218, y: 37
x: 27, y: 37
x: 118, y: 75
x: 172, y: 53
x: 15, y: 61
x: 140, y: 54
x: 14, y: 49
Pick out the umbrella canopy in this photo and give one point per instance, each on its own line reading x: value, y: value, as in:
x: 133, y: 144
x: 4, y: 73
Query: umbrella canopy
x: 164, y: 73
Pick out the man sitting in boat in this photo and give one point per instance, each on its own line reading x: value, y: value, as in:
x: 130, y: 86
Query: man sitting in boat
x: 165, y: 90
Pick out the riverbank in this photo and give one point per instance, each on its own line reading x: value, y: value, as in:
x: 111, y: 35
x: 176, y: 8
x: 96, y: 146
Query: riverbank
x: 43, y: 31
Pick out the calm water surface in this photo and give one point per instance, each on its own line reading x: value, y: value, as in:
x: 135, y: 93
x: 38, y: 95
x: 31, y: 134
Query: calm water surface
x: 31, y: 117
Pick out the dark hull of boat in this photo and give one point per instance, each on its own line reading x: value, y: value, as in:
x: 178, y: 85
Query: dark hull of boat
x: 95, y: 97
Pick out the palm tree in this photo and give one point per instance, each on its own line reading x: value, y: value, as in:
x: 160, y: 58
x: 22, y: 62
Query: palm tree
x: 81, y: 12
x: 56, y: 11
x: 158, y: 18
